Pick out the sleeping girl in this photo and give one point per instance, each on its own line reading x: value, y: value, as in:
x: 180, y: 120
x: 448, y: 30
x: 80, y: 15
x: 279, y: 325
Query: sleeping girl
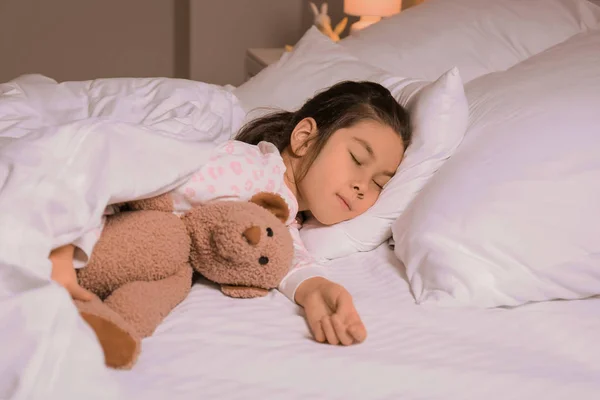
x: 331, y: 158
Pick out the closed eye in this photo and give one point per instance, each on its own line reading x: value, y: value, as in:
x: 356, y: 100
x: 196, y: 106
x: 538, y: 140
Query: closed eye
x: 378, y: 185
x: 355, y: 159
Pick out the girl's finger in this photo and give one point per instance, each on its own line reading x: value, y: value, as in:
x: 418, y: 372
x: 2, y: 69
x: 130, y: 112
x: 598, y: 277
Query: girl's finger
x: 79, y: 293
x: 329, y: 331
x: 316, y: 329
x: 341, y: 331
x: 358, y: 332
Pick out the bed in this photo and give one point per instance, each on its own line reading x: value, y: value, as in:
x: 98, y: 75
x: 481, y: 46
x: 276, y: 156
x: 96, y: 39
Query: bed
x: 261, y: 349
x: 456, y: 276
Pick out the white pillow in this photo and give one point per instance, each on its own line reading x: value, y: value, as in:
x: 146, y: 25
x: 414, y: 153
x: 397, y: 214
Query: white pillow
x: 514, y: 216
x: 439, y: 118
x: 315, y: 63
x: 477, y: 36
x: 439, y: 113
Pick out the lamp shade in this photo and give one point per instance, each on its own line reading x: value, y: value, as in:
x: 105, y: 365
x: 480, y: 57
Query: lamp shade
x: 375, y: 8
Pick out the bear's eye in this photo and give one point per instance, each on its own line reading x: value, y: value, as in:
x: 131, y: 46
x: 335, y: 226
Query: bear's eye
x: 263, y: 260
x: 269, y: 232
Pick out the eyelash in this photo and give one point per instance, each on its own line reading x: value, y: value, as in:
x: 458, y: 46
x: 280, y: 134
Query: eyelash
x: 355, y: 160
x: 359, y: 164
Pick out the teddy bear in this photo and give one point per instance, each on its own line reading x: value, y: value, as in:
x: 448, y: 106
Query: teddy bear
x: 143, y: 263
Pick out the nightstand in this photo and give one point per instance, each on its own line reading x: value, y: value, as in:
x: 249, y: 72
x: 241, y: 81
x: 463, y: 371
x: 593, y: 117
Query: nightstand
x: 259, y: 58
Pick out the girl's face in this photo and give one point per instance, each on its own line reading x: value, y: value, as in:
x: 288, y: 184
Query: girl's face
x: 349, y: 173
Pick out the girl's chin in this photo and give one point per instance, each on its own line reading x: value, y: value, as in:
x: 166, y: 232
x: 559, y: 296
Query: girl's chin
x: 329, y: 221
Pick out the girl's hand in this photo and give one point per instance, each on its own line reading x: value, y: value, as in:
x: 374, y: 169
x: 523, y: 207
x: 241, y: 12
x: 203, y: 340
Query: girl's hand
x: 330, y: 312
x: 64, y: 274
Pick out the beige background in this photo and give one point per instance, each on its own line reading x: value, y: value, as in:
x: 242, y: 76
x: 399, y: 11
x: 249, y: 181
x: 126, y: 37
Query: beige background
x: 204, y: 40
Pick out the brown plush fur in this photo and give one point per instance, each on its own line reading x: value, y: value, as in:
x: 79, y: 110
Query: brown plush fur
x: 117, y: 338
x: 142, y: 266
x: 136, y: 246
x: 225, y: 255
x: 158, y: 203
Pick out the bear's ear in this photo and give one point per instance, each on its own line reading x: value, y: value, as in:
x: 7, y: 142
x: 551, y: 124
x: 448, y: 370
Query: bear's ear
x: 274, y: 203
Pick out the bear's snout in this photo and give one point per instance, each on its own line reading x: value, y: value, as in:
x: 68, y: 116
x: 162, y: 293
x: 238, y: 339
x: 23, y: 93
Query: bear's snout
x: 252, y: 235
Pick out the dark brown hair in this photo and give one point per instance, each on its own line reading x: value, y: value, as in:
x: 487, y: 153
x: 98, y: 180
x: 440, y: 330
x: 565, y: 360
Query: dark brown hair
x: 340, y: 106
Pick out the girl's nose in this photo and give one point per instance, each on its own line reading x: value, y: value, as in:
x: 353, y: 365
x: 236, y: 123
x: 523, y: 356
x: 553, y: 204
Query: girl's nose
x: 359, y: 191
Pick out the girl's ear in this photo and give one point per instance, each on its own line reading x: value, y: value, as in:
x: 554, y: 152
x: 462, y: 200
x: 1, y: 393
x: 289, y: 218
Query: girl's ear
x: 302, y: 135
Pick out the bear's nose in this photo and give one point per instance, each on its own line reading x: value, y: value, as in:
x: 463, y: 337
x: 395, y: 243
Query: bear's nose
x: 252, y: 235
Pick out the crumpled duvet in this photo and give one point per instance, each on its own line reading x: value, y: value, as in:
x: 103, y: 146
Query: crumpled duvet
x: 66, y: 152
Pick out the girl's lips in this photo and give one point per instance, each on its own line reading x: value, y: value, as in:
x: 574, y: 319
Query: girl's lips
x: 344, y: 203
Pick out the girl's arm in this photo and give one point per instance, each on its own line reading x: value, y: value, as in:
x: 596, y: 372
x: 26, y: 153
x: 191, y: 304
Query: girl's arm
x: 329, y: 308
x: 63, y: 272
x: 66, y: 259
x: 304, y: 267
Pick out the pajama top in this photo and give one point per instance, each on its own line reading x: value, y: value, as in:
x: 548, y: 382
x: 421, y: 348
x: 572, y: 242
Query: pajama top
x: 236, y: 171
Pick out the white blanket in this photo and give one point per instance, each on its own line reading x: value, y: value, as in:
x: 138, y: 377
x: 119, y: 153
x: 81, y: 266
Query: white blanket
x: 66, y: 152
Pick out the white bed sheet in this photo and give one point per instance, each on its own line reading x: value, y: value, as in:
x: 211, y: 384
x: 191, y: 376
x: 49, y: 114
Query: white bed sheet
x: 215, y: 347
